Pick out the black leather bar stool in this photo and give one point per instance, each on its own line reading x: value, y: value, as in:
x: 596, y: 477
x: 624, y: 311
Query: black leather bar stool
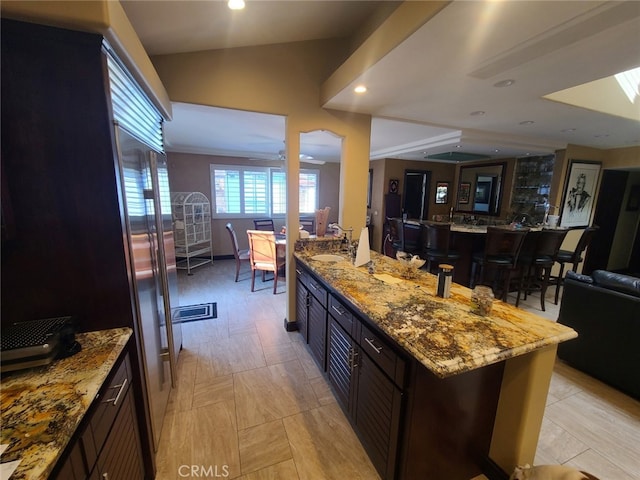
x: 407, y: 236
x: 537, y: 256
x: 575, y: 257
x: 437, y: 243
x: 501, y: 252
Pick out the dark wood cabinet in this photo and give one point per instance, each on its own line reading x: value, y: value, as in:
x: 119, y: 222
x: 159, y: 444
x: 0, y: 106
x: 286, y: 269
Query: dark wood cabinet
x: 302, y: 309
x: 377, y: 416
x: 311, y: 311
x: 107, y: 445
x: 342, y: 358
x: 366, y: 387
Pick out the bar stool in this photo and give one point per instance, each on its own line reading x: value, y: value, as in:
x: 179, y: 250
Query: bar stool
x: 437, y: 243
x: 501, y: 252
x: 537, y: 256
x: 407, y: 236
x: 575, y: 257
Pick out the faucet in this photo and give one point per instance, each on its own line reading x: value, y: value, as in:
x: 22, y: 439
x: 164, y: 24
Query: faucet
x: 345, y: 231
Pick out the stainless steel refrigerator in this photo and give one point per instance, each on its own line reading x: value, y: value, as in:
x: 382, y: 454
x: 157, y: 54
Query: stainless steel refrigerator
x: 146, y: 205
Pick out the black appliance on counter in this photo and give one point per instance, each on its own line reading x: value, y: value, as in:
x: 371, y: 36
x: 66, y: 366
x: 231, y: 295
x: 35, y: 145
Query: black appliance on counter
x: 37, y: 342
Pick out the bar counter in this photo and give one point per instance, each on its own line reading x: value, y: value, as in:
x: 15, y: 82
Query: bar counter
x: 448, y: 342
x: 441, y: 333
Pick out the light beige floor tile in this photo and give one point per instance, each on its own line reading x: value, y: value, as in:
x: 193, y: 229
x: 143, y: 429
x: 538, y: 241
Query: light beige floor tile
x: 279, y: 353
x: 322, y: 390
x: 181, y: 396
x: 311, y: 368
x: 595, y: 464
x: 218, y: 389
x: 262, y: 446
x: 204, y: 436
x: 271, y: 393
x: 556, y: 445
x: 234, y: 354
x: 280, y: 471
x: 325, y: 447
x: 609, y: 430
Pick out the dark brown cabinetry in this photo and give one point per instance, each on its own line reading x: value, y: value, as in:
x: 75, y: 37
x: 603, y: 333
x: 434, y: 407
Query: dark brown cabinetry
x: 367, y: 378
x: 108, y: 443
x: 311, y: 308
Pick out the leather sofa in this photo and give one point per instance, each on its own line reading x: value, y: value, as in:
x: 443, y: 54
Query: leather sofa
x: 604, y: 309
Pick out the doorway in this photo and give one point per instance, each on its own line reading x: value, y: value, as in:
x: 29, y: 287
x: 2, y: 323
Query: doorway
x: 416, y: 194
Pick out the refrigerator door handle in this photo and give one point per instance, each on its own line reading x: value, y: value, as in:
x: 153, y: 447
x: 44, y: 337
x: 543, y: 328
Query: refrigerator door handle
x: 164, y: 281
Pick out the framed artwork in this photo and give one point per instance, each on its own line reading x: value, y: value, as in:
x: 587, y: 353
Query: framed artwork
x: 633, y: 202
x: 393, y: 185
x: 578, y: 201
x: 464, y: 192
x: 442, y: 192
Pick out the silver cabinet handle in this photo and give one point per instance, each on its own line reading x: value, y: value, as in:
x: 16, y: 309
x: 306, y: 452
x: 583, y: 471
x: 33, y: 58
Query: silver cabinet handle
x: 353, y: 353
x: 370, y: 342
x: 340, y: 310
x: 105, y: 476
x: 117, y: 397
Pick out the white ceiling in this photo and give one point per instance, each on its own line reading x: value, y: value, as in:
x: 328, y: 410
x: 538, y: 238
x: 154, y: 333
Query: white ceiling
x: 421, y: 95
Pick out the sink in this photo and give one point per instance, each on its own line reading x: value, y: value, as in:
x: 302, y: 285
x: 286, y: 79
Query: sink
x: 328, y: 258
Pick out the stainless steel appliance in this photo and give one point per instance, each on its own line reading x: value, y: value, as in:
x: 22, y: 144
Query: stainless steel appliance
x: 144, y: 184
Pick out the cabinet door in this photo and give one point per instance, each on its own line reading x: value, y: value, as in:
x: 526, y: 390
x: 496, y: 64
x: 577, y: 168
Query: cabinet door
x: 317, y: 331
x: 378, y: 416
x: 342, y: 361
x: 302, y: 308
x: 121, y: 457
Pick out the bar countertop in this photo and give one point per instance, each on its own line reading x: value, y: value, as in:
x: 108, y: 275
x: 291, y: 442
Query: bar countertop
x: 42, y: 407
x: 442, y: 334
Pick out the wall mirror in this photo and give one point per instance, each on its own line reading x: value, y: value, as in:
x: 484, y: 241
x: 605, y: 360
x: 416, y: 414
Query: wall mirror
x: 480, y: 189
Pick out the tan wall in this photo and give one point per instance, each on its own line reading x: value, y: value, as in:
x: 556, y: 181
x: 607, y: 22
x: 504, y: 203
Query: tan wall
x: 192, y: 173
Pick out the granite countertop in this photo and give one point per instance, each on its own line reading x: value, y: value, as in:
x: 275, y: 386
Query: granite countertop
x: 442, y: 334
x: 43, y: 406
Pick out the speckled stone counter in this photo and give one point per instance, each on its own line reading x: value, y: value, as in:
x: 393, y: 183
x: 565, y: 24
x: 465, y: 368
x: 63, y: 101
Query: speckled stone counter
x: 42, y: 407
x: 442, y: 334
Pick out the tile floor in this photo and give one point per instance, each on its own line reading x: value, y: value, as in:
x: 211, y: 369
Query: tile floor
x: 251, y: 403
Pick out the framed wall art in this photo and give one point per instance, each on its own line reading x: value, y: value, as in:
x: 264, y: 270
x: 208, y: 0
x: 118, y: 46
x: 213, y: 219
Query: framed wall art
x: 442, y: 192
x: 464, y: 192
x: 579, y: 191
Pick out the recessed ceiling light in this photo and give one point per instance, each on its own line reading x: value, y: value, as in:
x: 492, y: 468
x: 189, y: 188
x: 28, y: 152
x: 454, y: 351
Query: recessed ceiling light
x: 497, y: 150
x: 568, y: 130
x: 527, y: 122
x: 477, y: 113
x: 602, y: 135
x: 235, y: 4
x: 504, y: 83
x: 360, y: 89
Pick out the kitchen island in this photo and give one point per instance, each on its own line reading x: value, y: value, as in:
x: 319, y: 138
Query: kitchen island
x: 43, y: 407
x: 466, y: 393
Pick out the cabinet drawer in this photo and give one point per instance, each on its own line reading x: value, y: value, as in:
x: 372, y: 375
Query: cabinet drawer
x: 302, y: 275
x: 343, y: 315
x: 109, y: 403
x: 382, y: 354
x: 318, y: 291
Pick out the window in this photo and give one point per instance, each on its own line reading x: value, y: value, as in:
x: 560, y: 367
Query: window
x: 243, y: 191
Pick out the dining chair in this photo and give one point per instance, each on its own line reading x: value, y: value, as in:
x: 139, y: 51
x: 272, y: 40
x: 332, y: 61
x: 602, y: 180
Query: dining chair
x: 264, y: 256
x: 437, y: 244
x: 502, y: 247
x: 264, y: 224
x: 240, y: 255
x: 537, y: 257
x: 308, y: 224
x: 574, y: 258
